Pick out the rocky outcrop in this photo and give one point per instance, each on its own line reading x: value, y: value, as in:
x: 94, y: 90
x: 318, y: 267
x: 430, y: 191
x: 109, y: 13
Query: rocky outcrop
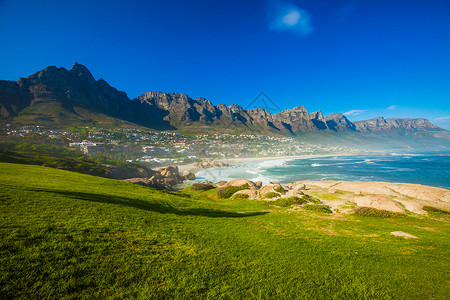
x: 164, y: 178
x: 209, y: 163
x: 188, y: 175
x: 339, y: 195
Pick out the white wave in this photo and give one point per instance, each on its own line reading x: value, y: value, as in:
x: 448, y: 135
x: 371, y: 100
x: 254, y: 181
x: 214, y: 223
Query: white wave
x: 274, y: 162
x: 316, y: 165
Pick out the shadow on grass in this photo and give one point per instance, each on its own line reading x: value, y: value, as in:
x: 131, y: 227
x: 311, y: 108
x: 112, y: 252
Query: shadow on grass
x: 163, y: 207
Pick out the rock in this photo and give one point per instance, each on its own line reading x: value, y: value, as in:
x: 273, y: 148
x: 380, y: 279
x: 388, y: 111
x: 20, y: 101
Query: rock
x: 252, y: 194
x: 298, y: 185
x: 170, y: 181
x: 170, y: 171
x: 187, y: 175
x: 258, y: 184
x: 263, y: 191
x: 239, y: 183
x: 221, y: 184
x: 404, y: 234
x: 148, y: 182
x: 157, y: 177
x: 208, y: 163
x: 379, y: 202
x: 140, y: 181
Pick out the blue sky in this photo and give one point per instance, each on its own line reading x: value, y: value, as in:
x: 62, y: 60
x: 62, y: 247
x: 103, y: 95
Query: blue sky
x: 364, y: 58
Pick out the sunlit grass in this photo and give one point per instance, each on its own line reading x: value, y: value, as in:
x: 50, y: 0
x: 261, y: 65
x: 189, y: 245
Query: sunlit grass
x: 67, y: 235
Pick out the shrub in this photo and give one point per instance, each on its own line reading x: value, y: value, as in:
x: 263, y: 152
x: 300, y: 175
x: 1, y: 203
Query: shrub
x: 285, y: 202
x: 230, y: 190
x: 200, y: 186
x: 311, y: 199
x: 435, y: 210
x: 271, y: 195
x: 240, y: 196
x: 280, y: 190
x: 373, y: 212
x: 318, y: 208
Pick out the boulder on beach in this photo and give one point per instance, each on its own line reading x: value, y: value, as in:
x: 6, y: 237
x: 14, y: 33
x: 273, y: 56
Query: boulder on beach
x: 188, y: 175
x: 240, y: 182
x: 208, y: 163
x: 170, y: 171
x: 163, y: 178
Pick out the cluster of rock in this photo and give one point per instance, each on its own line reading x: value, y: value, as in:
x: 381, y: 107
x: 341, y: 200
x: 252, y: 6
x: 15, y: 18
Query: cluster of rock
x: 339, y: 195
x: 209, y: 163
x: 164, y: 178
x: 256, y: 190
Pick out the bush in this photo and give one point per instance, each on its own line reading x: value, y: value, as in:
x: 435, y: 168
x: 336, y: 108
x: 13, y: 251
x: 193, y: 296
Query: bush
x: 318, y: 208
x: 230, y: 190
x: 298, y: 200
x: 271, y: 195
x: 200, y: 186
x: 373, y: 212
x: 280, y: 190
x: 435, y: 210
x: 311, y: 199
x: 285, y: 202
x: 240, y: 196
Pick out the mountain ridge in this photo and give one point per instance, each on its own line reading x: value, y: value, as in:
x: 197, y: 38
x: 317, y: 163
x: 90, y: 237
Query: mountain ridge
x: 73, y: 97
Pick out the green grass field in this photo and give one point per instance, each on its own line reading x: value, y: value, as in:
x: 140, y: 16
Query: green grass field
x: 68, y: 235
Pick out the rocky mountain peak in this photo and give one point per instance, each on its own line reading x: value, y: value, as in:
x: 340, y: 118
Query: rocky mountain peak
x: 317, y: 115
x: 81, y: 71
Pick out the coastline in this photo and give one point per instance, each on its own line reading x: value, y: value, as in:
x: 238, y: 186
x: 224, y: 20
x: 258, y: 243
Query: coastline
x: 194, y: 169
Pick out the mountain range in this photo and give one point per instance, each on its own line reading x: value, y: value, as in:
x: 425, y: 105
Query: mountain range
x: 60, y: 97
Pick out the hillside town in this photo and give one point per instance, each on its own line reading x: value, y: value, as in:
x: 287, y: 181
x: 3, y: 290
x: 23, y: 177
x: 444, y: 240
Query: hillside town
x: 162, y: 147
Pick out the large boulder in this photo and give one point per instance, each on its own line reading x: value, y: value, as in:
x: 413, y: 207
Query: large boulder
x: 188, y: 175
x: 240, y: 182
x: 148, y: 182
x: 170, y: 171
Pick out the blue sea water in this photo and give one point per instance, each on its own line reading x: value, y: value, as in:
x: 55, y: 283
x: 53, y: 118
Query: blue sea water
x: 427, y: 169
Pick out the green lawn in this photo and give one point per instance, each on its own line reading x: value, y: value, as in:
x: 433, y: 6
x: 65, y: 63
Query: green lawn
x: 68, y: 235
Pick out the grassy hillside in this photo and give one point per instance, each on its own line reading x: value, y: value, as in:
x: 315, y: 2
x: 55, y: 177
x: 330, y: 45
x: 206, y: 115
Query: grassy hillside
x: 65, y: 234
x: 55, y: 156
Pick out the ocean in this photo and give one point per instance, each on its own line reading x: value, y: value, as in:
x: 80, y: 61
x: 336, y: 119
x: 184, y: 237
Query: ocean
x: 426, y: 169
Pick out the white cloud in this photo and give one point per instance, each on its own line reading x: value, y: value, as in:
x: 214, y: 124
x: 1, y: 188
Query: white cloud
x: 392, y: 107
x: 284, y: 16
x: 443, y: 118
x: 354, y: 112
